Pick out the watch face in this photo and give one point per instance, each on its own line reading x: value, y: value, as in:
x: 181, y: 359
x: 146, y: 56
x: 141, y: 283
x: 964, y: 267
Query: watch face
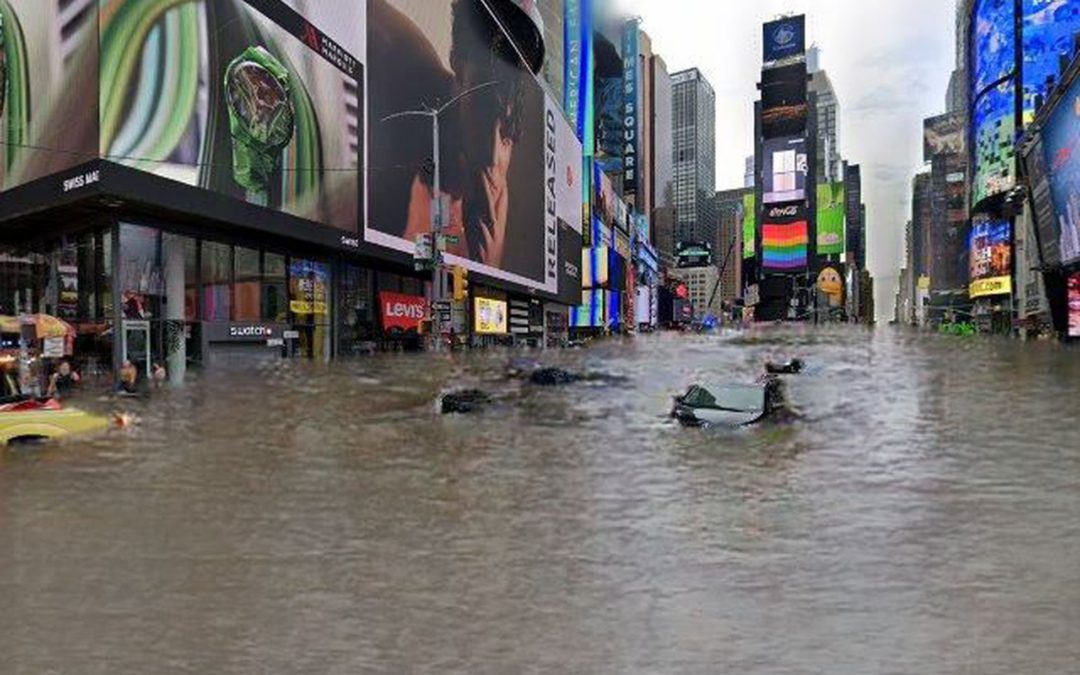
x: 261, y: 102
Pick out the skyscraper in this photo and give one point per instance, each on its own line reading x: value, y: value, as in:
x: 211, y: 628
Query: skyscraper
x: 729, y: 241
x: 694, y: 137
x: 828, y: 127
x: 663, y: 169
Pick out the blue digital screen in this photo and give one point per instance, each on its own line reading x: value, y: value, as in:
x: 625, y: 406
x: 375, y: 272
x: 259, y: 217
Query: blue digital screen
x: 784, y: 39
x: 993, y: 37
x: 1049, y: 30
x: 994, y: 130
x: 1061, y: 142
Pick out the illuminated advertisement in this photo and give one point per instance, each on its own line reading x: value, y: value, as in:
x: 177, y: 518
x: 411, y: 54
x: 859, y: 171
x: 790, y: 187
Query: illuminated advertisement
x: 1049, y: 30
x: 504, y: 147
x: 990, y: 251
x: 693, y: 254
x: 48, y: 90
x: 594, y: 266
x: 1074, y: 306
x: 608, y: 97
x: 784, y: 86
x: 309, y: 284
x: 785, y: 238
x: 590, y: 313
x: 1061, y: 141
x: 631, y: 95
x: 787, y: 120
x: 944, y: 135
x: 830, y: 283
x: 784, y: 170
x: 402, y: 312
x: 830, y: 219
x: 994, y: 129
x: 993, y: 36
x: 490, y: 316
x: 221, y: 96
x: 749, y: 225
x: 784, y: 39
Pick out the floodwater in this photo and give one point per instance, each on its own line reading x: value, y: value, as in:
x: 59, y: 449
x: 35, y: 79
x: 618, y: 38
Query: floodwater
x: 922, y: 517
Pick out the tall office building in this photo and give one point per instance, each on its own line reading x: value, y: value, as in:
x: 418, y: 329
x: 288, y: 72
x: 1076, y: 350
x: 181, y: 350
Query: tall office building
x: 828, y: 127
x: 694, y: 136
x: 663, y: 167
x: 729, y: 241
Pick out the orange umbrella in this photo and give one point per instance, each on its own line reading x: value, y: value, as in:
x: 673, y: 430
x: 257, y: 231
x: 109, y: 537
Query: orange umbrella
x: 45, y: 326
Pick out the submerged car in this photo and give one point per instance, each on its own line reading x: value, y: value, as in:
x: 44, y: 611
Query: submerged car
x: 26, y: 419
x: 729, y: 405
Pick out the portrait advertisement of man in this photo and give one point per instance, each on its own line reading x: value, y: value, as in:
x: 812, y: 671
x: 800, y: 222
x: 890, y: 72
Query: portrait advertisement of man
x: 452, y: 55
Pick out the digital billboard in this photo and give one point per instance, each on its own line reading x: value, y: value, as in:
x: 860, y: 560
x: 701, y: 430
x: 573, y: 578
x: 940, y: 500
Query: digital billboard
x: 590, y: 313
x: 785, y: 238
x: 993, y: 43
x: 784, y: 39
x: 48, y: 90
x: 944, y: 134
x: 784, y: 169
x: 830, y: 219
x: 990, y: 255
x: 787, y: 120
x: 994, y: 131
x: 510, y: 163
x: 1074, y: 305
x: 490, y: 316
x: 631, y: 92
x: 222, y: 96
x: 784, y: 86
x: 1050, y: 27
x: 693, y: 254
x: 830, y: 284
x: 1061, y: 143
x: 608, y: 102
x: 749, y: 225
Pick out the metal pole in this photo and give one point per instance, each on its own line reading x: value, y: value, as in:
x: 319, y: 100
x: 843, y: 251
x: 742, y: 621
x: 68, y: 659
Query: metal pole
x: 436, y: 230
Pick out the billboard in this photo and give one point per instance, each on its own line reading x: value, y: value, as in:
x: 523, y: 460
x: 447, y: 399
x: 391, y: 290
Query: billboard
x: 694, y: 254
x: 944, y: 134
x: 1074, y: 305
x: 994, y: 132
x: 830, y: 219
x: 830, y: 284
x: 993, y: 43
x: 590, y: 313
x: 506, y: 151
x: 1049, y: 28
x: 990, y: 255
x: 48, y: 90
x: 608, y: 97
x: 749, y: 225
x: 784, y: 169
x: 1061, y: 142
x: 784, y: 86
x: 490, y: 316
x: 784, y: 39
x: 402, y: 312
x: 788, y: 120
x: 785, y: 238
x: 631, y: 97
x: 255, y: 104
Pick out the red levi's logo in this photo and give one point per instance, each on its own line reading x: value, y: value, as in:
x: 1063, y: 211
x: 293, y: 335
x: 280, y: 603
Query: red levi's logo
x: 402, y: 311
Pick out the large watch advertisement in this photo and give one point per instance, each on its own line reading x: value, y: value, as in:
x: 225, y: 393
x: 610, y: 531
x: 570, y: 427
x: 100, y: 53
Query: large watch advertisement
x: 509, y: 163
x: 243, y: 98
x: 48, y: 90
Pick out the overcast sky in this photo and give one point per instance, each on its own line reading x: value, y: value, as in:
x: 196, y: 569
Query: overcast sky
x: 889, y: 60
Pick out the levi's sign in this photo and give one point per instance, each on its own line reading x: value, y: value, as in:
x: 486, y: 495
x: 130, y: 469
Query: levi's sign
x: 405, y: 312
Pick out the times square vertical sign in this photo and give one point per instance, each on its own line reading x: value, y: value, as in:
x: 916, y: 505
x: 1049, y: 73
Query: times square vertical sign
x: 631, y: 98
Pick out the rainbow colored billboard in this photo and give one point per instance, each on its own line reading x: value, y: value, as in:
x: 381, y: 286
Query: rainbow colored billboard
x: 785, y: 238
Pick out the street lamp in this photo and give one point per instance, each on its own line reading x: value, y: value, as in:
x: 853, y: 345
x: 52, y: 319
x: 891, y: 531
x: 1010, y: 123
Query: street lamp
x: 438, y: 283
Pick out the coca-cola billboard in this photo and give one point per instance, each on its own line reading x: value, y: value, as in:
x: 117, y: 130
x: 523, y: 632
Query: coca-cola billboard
x: 400, y: 311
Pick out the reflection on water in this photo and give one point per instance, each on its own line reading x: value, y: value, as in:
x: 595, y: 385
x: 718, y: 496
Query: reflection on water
x: 923, y: 517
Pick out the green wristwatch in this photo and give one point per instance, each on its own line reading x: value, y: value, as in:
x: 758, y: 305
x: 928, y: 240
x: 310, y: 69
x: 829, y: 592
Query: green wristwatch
x: 261, y: 118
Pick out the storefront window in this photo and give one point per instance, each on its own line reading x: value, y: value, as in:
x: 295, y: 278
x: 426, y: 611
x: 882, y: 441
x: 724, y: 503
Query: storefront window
x: 216, y: 281
x: 247, y: 292
x: 274, y: 289
x: 309, y: 286
x: 87, y: 277
x: 356, y: 317
x: 141, y: 284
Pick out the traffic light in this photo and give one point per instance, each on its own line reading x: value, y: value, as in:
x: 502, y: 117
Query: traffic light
x: 461, y: 284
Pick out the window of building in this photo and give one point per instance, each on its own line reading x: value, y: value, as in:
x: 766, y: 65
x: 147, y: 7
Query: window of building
x: 247, y: 288
x: 216, y: 281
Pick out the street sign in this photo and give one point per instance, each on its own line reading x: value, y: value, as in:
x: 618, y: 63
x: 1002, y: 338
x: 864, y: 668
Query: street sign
x: 440, y: 213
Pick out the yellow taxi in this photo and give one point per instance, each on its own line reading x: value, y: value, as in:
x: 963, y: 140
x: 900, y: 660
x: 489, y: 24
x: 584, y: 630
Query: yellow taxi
x: 24, y: 419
